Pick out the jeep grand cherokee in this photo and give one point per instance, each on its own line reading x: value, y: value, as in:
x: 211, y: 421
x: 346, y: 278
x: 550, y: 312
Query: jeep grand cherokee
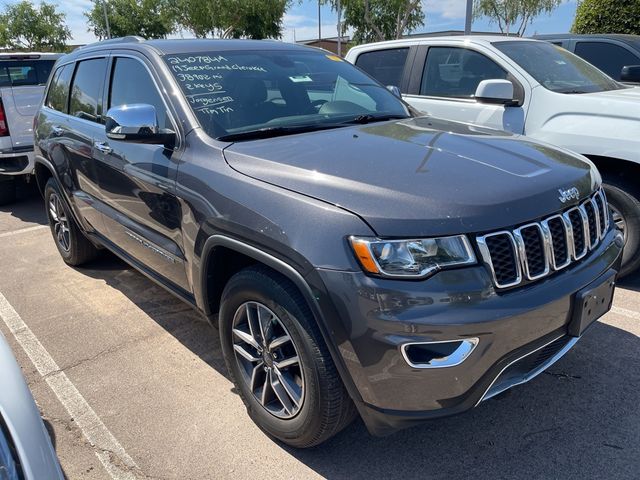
x: 356, y: 259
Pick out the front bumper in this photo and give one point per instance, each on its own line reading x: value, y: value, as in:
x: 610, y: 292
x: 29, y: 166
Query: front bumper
x: 521, y: 332
x: 17, y: 162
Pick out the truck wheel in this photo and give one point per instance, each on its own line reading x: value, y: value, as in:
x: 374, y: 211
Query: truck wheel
x: 625, y: 207
x: 278, y: 361
x: 7, y: 189
x: 73, y: 246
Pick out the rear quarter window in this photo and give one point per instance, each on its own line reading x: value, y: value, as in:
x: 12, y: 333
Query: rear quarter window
x: 58, y: 94
x: 386, y: 66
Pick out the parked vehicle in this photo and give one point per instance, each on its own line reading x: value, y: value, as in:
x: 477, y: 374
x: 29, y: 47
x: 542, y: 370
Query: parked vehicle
x: 351, y: 254
x: 26, y: 452
x: 616, y: 55
x: 526, y: 87
x: 22, y: 80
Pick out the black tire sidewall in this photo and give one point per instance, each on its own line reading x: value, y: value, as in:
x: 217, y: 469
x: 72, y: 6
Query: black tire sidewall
x: 629, y: 207
x: 52, y: 187
x: 256, y: 289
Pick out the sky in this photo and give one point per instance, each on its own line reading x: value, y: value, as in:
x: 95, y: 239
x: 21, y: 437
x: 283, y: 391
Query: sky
x: 301, y: 21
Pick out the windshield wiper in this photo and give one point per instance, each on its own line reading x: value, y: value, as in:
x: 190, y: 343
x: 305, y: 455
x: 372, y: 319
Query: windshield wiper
x: 277, y: 131
x: 368, y: 118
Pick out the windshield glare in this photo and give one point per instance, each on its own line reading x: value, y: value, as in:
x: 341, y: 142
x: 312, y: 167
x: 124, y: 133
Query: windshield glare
x: 235, y: 91
x: 557, y: 69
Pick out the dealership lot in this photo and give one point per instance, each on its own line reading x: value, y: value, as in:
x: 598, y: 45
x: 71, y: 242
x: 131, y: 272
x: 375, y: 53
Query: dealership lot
x: 144, y: 379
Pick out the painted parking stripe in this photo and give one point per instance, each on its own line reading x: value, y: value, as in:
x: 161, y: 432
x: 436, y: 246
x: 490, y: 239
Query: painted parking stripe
x: 22, y: 230
x: 632, y: 314
x: 84, y: 416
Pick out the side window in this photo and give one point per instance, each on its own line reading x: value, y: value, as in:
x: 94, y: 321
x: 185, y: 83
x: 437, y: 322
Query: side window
x: 86, y: 89
x: 124, y: 91
x: 58, y: 95
x: 607, y: 57
x: 456, y: 72
x: 386, y: 66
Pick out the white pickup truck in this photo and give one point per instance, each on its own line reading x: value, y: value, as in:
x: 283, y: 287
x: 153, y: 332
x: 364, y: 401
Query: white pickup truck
x: 526, y: 87
x: 22, y: 80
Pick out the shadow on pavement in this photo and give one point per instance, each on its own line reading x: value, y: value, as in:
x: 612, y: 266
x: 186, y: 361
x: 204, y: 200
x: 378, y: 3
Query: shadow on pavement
x: 631, y: 282
x: 580, y: 419
x: 29, y: 206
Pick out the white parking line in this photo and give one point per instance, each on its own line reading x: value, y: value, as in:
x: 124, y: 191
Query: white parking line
x: 84, y: 416
x: 22, y: 230
x: 632, y: 314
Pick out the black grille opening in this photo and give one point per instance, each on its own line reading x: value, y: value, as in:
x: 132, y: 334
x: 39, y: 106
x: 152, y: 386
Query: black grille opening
x: 559, y: 241
x: 503, y: 258
x: 601, y: 213
x: 593, y: 226
x: 534, y: 248
x: 579, y: 239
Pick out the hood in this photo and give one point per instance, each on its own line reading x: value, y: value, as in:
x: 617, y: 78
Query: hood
x: 420, y: 177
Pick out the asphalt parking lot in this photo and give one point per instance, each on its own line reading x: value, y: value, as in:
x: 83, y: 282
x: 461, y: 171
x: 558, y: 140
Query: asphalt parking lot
x: 135, y: 387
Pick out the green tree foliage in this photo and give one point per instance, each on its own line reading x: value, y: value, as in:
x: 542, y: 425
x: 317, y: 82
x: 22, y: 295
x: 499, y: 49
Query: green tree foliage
x: 23, y: 26
x: 378, y: 20
x: 146, y: 18
x: 608, y: 16
x: 232, y: 18
x: 513, y: 16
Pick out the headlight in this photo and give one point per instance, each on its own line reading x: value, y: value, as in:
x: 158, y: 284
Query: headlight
x: 412, y: 258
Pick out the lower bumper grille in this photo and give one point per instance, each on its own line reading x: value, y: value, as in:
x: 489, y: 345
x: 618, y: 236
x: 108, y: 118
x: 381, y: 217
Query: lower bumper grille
x: 529, y: 366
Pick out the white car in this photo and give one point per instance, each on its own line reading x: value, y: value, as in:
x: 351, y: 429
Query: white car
x: 526, y: 87
x: 22, y: 80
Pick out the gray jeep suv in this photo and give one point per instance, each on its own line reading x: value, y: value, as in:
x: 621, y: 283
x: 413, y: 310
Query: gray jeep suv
x: 357, y: 259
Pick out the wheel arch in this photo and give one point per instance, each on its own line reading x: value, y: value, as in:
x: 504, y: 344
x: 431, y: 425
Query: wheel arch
x: 617, y: 169
x: 217, y: 245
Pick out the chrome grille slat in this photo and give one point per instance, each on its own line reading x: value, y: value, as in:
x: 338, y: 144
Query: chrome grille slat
x: 534, y: 250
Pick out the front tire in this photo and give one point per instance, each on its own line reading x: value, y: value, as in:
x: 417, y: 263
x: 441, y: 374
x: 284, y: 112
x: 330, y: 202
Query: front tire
x: 75, y: 249
x: 7, y: 189
x: 278, y: 361
x: 625, y: 206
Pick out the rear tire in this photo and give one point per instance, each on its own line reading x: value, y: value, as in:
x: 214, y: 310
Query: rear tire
x: 75, y: 249
x: 321, y: 406
x: 7, y: 189
x: 625, y: 205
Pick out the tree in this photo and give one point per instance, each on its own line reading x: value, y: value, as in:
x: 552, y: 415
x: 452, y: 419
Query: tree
x: 607, y: 16
x: 232, y: 18
x: 516, y: 13
x: 378, y: 20
x: 24, y: 26
x: 146, y: 18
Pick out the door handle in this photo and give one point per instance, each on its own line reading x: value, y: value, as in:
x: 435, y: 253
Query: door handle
x: 57, y: 131
x: 103, y: 147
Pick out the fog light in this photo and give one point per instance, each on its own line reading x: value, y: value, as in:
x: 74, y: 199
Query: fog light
x: 448, y: 353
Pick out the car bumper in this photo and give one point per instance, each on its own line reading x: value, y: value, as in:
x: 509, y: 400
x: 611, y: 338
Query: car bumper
x: 519, y: 333
x: 17, y: 162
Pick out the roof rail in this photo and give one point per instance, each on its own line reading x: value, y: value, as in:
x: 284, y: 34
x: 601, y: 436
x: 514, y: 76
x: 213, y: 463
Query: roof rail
x: 111, y: 41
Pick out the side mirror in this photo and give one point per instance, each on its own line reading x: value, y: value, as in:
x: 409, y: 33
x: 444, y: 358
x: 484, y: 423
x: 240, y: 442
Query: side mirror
x: 495, y: 91
x: 137, y: 123
x: 630, y: 73
x: 395, y: 90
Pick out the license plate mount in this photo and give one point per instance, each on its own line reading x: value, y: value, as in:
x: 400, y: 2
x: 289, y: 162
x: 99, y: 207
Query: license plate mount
x: 591, y: 303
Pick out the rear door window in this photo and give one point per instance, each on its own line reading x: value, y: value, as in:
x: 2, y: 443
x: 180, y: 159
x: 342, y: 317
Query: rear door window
x: 58, y: 94
x: 86, y: 89
x: 19, y: 73
x: 608, y: 57
x: 386, y: 66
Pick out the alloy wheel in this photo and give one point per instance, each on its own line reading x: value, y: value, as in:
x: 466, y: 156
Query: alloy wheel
x: 268, y: 360
x: 60, y: 222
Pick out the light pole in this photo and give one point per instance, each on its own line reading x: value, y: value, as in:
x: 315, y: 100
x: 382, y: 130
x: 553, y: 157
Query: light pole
x: 339, y: 32
x: 468, y: 17
x: 106, y: 18
x: 319, y: 24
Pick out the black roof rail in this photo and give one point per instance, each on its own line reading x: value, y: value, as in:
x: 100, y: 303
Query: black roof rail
x: 113, y: 41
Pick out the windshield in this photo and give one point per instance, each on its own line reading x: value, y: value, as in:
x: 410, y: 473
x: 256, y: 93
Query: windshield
x: 557, y: 69
x: 233, y: 92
